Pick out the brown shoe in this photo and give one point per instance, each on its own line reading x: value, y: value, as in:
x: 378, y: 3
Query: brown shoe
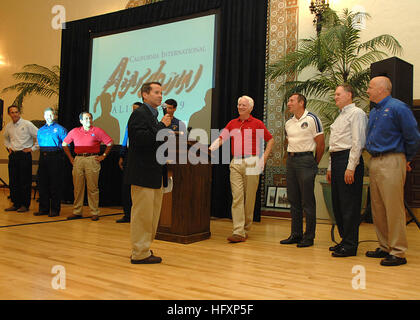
x: 22, y: 209
x: 149, y: 260
x: 236, y: 238
x: 95, y: 217
x: 74, y: 216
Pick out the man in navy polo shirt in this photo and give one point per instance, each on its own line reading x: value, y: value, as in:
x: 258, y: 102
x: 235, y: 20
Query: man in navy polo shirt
x: 176, y: 124
x: 50, y: 139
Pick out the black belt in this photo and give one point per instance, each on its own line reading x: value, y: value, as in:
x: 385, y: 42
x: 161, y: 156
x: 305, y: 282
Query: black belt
x: 300, y: 154
x: 380, y: 154
x: 86, y: 154
x: 339, y: 153
x: 50, y: 150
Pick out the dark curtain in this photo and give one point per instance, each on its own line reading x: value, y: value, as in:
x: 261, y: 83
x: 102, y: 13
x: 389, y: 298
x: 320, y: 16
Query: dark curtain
x: 241, y: 70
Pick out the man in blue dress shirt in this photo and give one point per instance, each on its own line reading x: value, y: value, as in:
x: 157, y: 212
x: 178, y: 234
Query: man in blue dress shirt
x: 392, y: 140
x: 126, y: 188
x: 50, y: 139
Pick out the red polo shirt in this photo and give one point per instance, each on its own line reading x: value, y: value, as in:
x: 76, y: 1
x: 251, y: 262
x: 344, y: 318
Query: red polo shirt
x: 245, y: 136
x: 87, y: 141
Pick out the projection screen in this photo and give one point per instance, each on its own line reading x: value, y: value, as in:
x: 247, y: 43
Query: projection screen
x: 180, y: 55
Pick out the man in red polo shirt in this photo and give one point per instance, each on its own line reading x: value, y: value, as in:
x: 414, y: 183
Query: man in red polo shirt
x: 86, y: 164
x: 246, y: 134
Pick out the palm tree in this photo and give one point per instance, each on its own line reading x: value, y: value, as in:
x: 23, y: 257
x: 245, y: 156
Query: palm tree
x: 338, y: 56
x: 36, y: 79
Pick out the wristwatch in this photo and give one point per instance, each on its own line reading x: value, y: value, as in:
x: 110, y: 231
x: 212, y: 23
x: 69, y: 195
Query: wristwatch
x: 104, y: 154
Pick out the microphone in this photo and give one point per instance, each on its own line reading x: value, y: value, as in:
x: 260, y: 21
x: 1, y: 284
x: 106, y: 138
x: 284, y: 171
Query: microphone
x: 164, y: 108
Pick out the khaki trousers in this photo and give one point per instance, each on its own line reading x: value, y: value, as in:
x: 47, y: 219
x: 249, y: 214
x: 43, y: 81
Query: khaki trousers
x: 145, y: 213
x: 387, y: 178
x: 86, y: 171
x: 244, y: 179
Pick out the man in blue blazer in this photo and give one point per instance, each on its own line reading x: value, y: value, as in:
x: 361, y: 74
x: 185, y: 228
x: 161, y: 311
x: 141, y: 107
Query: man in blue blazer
x: 146, y: 176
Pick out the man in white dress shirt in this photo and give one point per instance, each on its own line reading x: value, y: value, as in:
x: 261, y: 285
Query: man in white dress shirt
x: 20, y: 140
x: 304, y: 135
x: 346, y: 169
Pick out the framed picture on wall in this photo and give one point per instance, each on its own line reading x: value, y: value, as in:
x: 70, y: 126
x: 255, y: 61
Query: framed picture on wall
x: 281, y: 198
x: 271, y: 197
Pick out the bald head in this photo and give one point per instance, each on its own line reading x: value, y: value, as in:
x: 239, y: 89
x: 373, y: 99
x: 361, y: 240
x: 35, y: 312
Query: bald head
x: 379, y: 88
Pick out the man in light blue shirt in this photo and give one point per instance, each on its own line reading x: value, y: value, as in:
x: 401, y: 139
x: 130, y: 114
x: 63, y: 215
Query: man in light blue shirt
x: 393, y: 140
x: 50, y: 140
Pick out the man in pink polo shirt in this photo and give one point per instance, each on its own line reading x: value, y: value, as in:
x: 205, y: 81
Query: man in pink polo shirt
x: 87, y: 163
x: 246, y: 134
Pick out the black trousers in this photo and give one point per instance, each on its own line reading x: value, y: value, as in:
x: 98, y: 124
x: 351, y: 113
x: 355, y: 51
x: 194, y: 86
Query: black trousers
x: 300, y: 177
x: 126, y: 195
x: 346, y: 199
x: 20, y: 178
x: 50, y: 180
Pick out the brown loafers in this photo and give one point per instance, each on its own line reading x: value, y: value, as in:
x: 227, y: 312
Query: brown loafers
x: 234, y: 238
x: 149, y: 260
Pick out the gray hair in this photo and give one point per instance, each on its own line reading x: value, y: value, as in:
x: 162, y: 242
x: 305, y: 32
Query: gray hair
x: 249, y: 99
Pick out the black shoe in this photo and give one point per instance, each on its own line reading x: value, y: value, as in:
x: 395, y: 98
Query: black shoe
x: 12, y: 208
x: 305, y: 243
x: 392, y: 260
x: 22, y: 209
x: 378, y: 253
x: 335, y: 248
x: 74, y: 216
x: 122, y: 220
x: 39, y: 213
x: 291, y: 240
x: 149, y: 260
x: 53, y: 214
x: 342, y: 252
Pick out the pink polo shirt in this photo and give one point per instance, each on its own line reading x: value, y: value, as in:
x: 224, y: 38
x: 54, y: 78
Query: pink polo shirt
x: 87, y: 141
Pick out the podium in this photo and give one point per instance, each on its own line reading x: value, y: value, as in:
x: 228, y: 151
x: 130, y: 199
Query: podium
x: 185, y: 213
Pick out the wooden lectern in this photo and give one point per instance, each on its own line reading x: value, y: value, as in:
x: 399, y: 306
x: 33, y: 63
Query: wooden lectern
x: 185, y: 214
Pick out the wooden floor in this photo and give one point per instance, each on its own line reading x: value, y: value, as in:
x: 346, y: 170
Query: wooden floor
x: 96, y: 260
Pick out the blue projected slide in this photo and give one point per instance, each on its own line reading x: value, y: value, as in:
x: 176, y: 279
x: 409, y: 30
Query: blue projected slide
x: 180, y: 55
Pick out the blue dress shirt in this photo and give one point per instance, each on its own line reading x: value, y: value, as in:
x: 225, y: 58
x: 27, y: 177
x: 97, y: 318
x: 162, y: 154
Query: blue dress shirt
x: 123, y: 150
x: 392, y: 128
x: 51, y: 136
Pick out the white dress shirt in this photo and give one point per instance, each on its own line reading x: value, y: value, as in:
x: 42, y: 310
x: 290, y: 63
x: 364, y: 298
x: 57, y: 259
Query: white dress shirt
x: 20, y: 135
x: 348, y: 132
